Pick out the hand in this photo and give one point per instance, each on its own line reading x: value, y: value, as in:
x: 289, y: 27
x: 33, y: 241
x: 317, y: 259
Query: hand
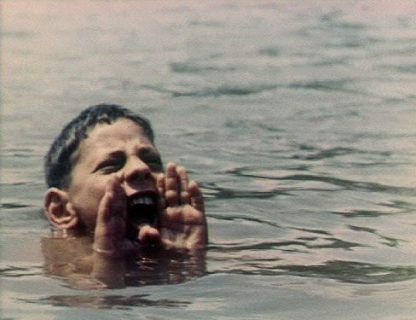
x: 110, y: 229
x: 182, y: 222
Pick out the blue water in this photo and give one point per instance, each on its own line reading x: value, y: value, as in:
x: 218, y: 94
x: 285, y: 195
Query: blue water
x: 297, y: 118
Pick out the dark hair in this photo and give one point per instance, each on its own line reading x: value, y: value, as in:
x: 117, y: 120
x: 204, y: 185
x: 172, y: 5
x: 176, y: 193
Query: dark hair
x: 58, y: 161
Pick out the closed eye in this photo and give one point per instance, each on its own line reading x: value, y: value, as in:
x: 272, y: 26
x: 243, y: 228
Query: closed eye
x: 111, y: 164
x: 155, y: 164
x: 152, y: 159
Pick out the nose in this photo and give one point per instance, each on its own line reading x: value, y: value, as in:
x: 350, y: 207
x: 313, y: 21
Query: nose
x: 136, y: 172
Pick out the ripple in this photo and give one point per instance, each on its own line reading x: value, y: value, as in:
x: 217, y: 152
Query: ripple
x: 340, y: 270
x: 20, y: 272
x: 229, y: 193
x: 389, y: 241
x: 223, y: 90
x: 361, y: 213
x: 288, y: 245
x: 20, y: 35
x: 401, y: 205
x: 335, y: 152
x: 345, y: 183
x: 13, y: 205
x: 270, y: 51
x: 354, y: 272
x: 206, y: 23
x: 108, y: 301
x: 187, y: 67
x: 264, y: 245
x: 410, y: 68
x: 245, y: 218
x: 323, y: 85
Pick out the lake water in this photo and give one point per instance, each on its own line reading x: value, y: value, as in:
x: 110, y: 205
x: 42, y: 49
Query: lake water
x: 298, y: 118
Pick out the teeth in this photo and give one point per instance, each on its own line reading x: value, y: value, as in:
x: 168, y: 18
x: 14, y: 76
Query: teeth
x: 142, y: 200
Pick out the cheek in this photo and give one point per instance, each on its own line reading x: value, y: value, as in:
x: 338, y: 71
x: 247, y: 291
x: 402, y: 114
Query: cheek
x: 86, y: 198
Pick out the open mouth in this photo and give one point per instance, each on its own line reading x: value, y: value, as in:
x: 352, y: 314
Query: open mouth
x: 142, y: 210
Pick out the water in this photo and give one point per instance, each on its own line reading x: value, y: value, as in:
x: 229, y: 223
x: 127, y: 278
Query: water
x: 298, y: 119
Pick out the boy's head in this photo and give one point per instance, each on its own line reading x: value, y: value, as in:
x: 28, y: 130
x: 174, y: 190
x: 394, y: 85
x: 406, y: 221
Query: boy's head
x: 59, y: 160
x: 104, y: 144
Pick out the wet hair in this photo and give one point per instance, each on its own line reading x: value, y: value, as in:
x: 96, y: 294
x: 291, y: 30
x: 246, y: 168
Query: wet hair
x: 59, y: 159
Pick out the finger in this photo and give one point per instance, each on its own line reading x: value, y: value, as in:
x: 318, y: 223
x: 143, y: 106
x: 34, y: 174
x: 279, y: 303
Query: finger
x: 110, y: 221
x: 196, y: 197
x: 119, y: 199
x: 160, y: 184
x: 161, y: 200
x: 184, y: 181
x: 183, y: 177
x: 160, y: 181
x: 149, y: 236
x: 113, y: 203
x: 104, y: 208
x: 171, y: 185
x: 171, y: 177
x: 104, y: 211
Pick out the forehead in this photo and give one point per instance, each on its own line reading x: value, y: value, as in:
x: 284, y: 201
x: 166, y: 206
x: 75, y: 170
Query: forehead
x: 119, y: 134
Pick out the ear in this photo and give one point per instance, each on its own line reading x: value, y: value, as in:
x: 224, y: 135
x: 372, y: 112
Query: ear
x: 59, y: 210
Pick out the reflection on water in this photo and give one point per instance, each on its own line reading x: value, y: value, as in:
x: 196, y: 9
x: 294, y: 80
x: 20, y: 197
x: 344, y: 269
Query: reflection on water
x: 298, y: 119
x: 98, y: 301
x: 73, y: 260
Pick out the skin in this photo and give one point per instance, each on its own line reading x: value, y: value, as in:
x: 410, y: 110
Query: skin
x: 115, y: 162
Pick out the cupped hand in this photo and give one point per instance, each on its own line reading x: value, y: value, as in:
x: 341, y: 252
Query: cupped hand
x: 110, y: 228
x: 182, y: 222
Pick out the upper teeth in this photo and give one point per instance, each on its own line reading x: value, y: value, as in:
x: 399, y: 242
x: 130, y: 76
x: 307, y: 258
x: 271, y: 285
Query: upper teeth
x: 142, y: 200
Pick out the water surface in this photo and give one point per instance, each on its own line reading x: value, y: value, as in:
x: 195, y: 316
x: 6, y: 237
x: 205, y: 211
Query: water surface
x: 298, y: 119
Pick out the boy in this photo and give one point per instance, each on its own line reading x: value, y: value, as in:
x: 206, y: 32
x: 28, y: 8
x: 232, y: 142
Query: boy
x: 107, y: 184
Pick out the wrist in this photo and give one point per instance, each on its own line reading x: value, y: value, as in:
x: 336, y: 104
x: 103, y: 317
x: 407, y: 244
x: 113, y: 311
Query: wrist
x: 107, y: 252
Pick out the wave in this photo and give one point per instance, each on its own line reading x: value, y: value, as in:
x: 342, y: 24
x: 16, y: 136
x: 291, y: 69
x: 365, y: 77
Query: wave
x: 222, y: 90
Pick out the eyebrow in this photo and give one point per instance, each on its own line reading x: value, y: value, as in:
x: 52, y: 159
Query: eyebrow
x: 114, y: 154
x: 144, y: 151
x: 148, y: 151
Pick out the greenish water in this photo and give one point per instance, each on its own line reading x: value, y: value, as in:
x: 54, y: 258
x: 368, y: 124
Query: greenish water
x: 297, y: 118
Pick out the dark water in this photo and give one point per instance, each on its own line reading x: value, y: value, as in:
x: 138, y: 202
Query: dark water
x: 298, y: 119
